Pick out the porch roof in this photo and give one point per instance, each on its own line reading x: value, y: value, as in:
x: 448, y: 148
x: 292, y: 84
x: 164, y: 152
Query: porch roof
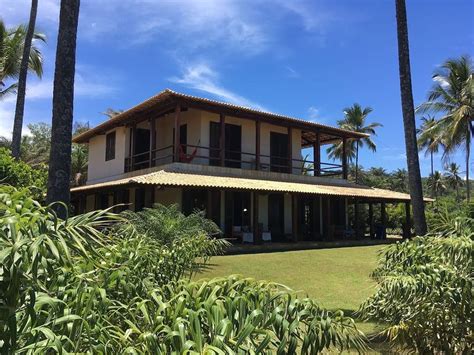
x: 180, y: 179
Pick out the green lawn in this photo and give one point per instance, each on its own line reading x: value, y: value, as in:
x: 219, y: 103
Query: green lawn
x: 337, y: 278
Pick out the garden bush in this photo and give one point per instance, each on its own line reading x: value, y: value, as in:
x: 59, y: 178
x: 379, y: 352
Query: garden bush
x: 94, y: 284
x: 425, y: 290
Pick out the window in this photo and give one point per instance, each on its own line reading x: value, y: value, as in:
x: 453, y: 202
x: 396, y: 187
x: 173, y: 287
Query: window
x: 110, y: 146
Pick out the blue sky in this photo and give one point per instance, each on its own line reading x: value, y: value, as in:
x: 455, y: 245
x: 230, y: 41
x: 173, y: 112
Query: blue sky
x: 307, y: 59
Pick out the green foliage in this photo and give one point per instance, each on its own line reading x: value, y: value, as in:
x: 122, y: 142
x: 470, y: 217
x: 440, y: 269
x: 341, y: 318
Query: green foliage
x: 92, y: 284
x: 425, y: 290
x: 231, y: 315
x: 22, y: 175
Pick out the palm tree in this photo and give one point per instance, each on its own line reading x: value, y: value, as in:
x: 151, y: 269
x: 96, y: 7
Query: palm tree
x: 429, y: 138
x: 453, y: 177
x: 436, y: 183
x: 355, y: 120
x: 398, y: 180
x: 79, y: 157
x: 110, y: 112
x: 453, y: 95
x: 12, y: 41
x: 63, y: 96
x: 414, y: 175
x: 20, y: 99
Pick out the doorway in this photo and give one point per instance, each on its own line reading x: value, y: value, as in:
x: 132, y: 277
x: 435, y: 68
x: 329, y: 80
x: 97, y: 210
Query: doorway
x: 276, y: 216
x: 279, y: 152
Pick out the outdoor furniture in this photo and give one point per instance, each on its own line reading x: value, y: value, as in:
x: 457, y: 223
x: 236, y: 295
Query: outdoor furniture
x: 237, y: 233
x: 247, y: 237
x: 267, y: 236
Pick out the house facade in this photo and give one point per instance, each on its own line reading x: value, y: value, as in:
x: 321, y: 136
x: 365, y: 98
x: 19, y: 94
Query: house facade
x: 244, y: 167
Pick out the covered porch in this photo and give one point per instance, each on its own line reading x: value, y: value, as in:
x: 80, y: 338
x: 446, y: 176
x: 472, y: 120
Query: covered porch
x: 256, y: 210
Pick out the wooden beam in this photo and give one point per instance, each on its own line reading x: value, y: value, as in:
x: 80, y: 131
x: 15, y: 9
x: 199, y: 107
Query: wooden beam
x: 317, y: 155
x: 371, y: 220
x: 257, y: 145
x: 176, y: 132
x: 152, y: 141
x: 256, y: 230
x: 344, y: 158
x: 222, y: 138
x: 383, y: 215
x: 356, y: 217
x: 290, y: 150
x: 294, y: 217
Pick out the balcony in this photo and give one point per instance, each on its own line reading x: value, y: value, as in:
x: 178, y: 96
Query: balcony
x: 195, y: 154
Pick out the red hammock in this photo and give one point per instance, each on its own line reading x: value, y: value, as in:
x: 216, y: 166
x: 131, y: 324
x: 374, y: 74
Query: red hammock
x: 186, y: 158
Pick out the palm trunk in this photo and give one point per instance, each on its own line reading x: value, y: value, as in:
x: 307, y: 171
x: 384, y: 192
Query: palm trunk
x: 357, y: 161
x: 20, y: 99
x: 432, y: 172
x: 468, y: 154
x: 414, y: 176
x: 63, y: 96
x: 432, y: 168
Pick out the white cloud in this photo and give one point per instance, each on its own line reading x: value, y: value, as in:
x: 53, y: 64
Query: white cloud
x: 86, y: 85
x: 203, y: 78
x: 313, y: 113
x: 292, y: 73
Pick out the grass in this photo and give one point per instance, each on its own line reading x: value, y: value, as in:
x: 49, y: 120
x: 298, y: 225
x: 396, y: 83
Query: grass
x: 337, y: 278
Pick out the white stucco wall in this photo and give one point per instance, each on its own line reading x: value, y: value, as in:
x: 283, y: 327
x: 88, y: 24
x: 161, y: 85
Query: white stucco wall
x: 98, y: 168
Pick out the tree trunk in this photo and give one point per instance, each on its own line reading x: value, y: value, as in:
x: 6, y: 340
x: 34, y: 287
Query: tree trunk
x: 63, y: 98
x: 357, y: 161
x: 468, y: 154
x: 414, y: 176
x: 20, y: 99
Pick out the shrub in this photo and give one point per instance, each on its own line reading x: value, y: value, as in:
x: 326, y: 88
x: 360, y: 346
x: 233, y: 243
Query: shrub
x: 425, y: 292
x: 21, y: 175
x: 92, y: 284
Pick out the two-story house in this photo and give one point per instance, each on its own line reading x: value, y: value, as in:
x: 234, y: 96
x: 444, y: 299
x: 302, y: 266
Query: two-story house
x: 242, y: 166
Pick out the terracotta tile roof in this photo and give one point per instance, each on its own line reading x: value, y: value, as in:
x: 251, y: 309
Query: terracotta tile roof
x: 167, y: 96
x: 166, y: 178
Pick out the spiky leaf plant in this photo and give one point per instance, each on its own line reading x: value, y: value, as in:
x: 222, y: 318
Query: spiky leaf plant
x: 425, y: 291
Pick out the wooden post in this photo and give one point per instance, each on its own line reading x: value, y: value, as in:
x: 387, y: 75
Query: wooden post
x: 290, y: 150
x: 177, y: 132
x: 356, y: 217
x: 344, y: 158
x: 407, y: 231
x: 152, y: 142
x: 222, y: 139
x: 371, y: 220
x: 256, y: 231
x: 133, y: 131
x: 257, y: 145
x: 317, y: 155
x: 294, y: 217
x: 383, y: 217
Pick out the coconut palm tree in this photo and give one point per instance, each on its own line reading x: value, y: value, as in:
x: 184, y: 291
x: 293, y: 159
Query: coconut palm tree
x: 398, y: 180
x: 453, y: 177
x: 436, y: 183
x: 355, y: 120
x: 429, y: 138
x: 12, y: 41
x: 111, y: 112
x: 63, y: 96
x: 453, y: 95
x: 414, y: 175
x: 20, y: 98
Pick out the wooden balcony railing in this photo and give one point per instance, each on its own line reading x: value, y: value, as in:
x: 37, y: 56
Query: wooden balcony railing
x: 195, y: 154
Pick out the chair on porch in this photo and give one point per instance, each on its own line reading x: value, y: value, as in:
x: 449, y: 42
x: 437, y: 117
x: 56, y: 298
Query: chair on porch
x: 237, y: 233
x: 247, y: 235
x: 266, y: 235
